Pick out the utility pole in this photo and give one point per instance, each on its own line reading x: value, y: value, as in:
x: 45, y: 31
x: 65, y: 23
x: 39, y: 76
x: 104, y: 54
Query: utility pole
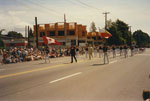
x: 36, y: 31
x: 25, y: 31
x: 65, y: 29
x: 106, y: 19
x: 130, y: 35
x: 105, y: 13
x: 28, y: 36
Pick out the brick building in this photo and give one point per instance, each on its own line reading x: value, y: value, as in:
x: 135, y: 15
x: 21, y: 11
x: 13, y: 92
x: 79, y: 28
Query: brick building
x: 11, y: 42
x: 68, y: 33
x: 94, y: 37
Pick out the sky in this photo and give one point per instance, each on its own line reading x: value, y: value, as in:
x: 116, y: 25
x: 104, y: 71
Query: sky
x: 16, y: 14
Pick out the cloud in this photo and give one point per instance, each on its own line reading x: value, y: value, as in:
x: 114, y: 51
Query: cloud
x: 12, y: 20
x: 15, y: 15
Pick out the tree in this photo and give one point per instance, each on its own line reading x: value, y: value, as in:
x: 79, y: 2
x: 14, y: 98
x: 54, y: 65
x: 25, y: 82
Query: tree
x: 142, y: 39
x: 120, y: 33
x: 14, y: 34
x: 1, y: 41
x: 1, y: 32
x: 109, y: 23
x: 93, y: 27
x: 31, y: 35
x: 123, y: 28
x: 116, y: 35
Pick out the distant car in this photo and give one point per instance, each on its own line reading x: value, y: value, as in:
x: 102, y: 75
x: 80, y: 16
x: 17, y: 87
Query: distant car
x: 142, y: 49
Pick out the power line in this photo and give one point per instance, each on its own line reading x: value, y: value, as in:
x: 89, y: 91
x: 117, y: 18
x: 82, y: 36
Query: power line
x: 52, y: 11
x: 75, y: 3
x: 95, y: 8
x: 81, y: 5
x: 62, y: 13
x: 48, y: 9
x: 87, y: 5
x: 26, y: 5
x: 91, y: 6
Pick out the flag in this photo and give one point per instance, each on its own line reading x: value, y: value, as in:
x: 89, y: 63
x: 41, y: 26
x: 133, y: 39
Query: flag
x: 50, y: 41
x: 105, y: 34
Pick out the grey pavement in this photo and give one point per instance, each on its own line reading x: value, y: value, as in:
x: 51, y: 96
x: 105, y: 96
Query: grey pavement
x: 88, y: 80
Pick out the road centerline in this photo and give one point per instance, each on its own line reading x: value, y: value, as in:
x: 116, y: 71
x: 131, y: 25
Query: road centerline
x: 29, y: 71
x: 113, y: 61
x: 33, y: 70
x: 60, y: 79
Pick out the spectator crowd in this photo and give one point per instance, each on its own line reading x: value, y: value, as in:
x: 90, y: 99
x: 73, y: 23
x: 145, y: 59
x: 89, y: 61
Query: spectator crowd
x: 15, y: 55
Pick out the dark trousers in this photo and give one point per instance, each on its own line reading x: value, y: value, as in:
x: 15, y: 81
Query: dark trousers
x: 72, y: 58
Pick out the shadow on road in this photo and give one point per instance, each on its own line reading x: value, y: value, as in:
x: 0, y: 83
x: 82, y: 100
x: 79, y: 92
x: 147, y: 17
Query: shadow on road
x: 41, y: 63
x: 98, y: 64
x: 67, y: 63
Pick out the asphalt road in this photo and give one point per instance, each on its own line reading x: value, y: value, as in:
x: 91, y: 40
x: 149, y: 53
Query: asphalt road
x: 121, y: 79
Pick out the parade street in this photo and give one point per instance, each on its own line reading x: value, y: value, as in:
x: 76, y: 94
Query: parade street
x: 121, y: 79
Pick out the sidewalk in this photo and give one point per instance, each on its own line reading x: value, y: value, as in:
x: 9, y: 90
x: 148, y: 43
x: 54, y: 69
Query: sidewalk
x: 60, y: 60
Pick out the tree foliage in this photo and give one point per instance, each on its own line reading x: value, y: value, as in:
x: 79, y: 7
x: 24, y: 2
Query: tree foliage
x: 120, y: 33
x: 31, y: 35
x: 142, y: 39
x: 1, y: 41
x: 123, y: 28
x: 93, y: 27
x: 115, y: 39
x: 14, y: 34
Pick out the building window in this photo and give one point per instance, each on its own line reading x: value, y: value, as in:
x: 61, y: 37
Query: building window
x: 52, y: 33
x: 81, y: 41
x: 94, y: 38
x: 64, y: 43
x: 12, y: 44
x: 96, y: 43
x: 83, y: 33
x: 42, y: 34
x: 61, y: 33
x: 88, y: 37
x: 99, y: 38
x: 71, y: 32
x: 73, y: 42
